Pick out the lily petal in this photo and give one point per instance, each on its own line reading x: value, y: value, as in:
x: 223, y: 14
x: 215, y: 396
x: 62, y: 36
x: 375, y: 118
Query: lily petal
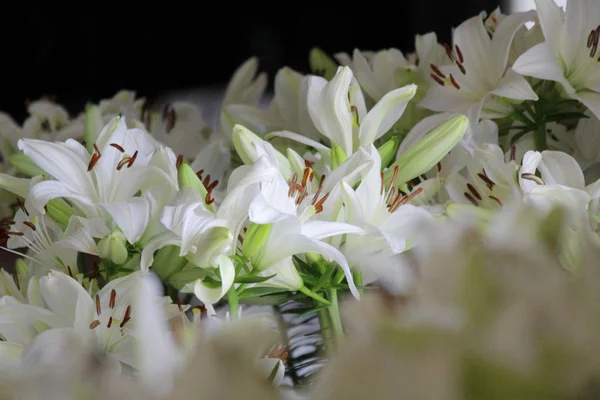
x: 131, y: 216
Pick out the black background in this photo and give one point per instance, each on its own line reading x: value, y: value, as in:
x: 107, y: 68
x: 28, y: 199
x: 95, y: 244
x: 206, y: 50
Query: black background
x: 90, y: 50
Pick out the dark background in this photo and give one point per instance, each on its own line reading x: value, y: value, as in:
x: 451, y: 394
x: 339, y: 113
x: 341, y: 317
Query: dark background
x: 92, y: 50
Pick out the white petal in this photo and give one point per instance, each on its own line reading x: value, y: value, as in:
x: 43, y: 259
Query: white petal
x: 398, y: 226
x: 18, y: 186
x: 550, y: 16
x: 352, y: 205
x: 286, y: 275
x: 591, y: 100
x: 62, y: 294
x: 80, y: 234
x: 530, y: 163
x: 514, y: 86
x: 131, y: 216
x: 539, y: 62
x: 503, y: 39
x: 213, y: 295
x: 559, y: 168
x: 301, y: 139
x: 157, y: 242
x: 45, y: 191
x: 385, y: 114
x: 323, y: 229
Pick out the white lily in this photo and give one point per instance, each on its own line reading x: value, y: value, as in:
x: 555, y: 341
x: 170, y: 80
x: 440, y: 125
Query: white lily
x: 104, y: 321
x: 104, y: 182
x: 478, y: 80
x: 338, y: 111
x: 384, y: 214
x: 290, y: 208
x: 569, y: 55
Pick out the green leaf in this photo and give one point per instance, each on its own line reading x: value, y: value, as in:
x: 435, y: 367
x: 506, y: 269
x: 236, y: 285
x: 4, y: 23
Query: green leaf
x: 260, y: 291
x: 252, y: 279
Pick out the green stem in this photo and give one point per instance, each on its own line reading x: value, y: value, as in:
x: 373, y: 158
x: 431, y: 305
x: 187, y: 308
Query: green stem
x: 313, y: 295
x: 325, y: 325
x: 540, y: 137
x: 358, y: 280
x: 336, y: 319
x: 232, y: 299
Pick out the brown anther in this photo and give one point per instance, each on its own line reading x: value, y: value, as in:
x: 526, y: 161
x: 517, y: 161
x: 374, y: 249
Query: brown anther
x: 307, y: 164
x: 212, y: 185
x: 292, y: 187
x: 316, y: 196
x: 395, y: 203
x: 319, y: 204
x: 240, y: 239
x: 245, y: 229
x: 461, y: 67
x: 93, y: 161
x: 206, y: 180
x: 513, y: 152
x: 454, y: 83
x: 439, y: 80
x: 408, y: 198
x: 179, y: 304
x: 471, y: 199
x: 437, y: 71
x: 439, y: 167
x: 179, y: 161
x: 98, y: 308
x: 354, y: 111
x: 394, y: 177
x: 382, y: 184
x: 29, y: 224
x: 531, y: 177
x: 459, y: 54
x: 311, y: 176
x: 490, y: 184
x: 473, y: 191
x: 116, y: 146
x: 127, y: 316
x: 94, y: 324
x: 96, y: 149
x: 497, y: 200
x: 305, y: 176
x: 70, y: 271
x: 199, y: 174
x: 109, y: 324
x: 449, y: 51
x: 10, y: 233
x: 21, y: 205
x: 113, y: 298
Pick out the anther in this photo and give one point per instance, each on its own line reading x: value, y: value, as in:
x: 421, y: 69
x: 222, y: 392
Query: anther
x: 533, y: 178
x: 454, y: 83
x: 179, y: 161
x: 113, y: 298
x: 490, y: 184
x: 29, y: 224
x: 449, y: 51
x: 459, y: 53
x: 305, y: 176
x: 382, y: 184
x: 109, y: 324
x: 170, y: 117
x: 94, y: 324
x: 21, y: 205
x: 437, y: 71
x: 127, y: 316
x: 474, y: 191
x: 471, y: 199
x: 461, y: 67
x: 93, y: 161
x: 70, y: 271
x: 497, y: 200
x: 439, y: 80
x: 96, y: 149
x: 116, y: 146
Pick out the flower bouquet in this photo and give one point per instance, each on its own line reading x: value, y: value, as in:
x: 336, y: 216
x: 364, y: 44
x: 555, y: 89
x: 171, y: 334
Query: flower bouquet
x: 392, y: 226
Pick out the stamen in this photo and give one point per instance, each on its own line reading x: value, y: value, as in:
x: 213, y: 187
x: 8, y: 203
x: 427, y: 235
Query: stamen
x: 21, y: 205
x: 94, y: 324
x: 109, y: 324
x: 69, y: 271
x: 96, y: 149
x: 113, y: 298
x: 497, y: 200
x: 199, y: 174
x: 471, y: 199
x: 170, y: 117
x: 437, y: 71
x: 240, y: 239
x: 474, y: 191
x: 127, y: 316
x: 533, y: 178
x: 454, y: 83
x: 439, y: 167
x: 382, y: 184
x: 490, y: 184
x: 10, y: 233
x: 354, y: 111
x: 319, y: 205
x: 307, y: 164
x: 394, y: 204
x: 311, y: 176
x: 316, y: 196
x: 438, y: 79
x: 461, y: 67
x: 394, y: 177
x: 93, y: 161
x: 206, y: 180
x: 408, y: 198
x: 98, y: 308
x: 29, y: 224
x: 305, y: 177
x: 132, y: 160
x: 459, y: 53
x: 179, y: 305
x: 116, y: 146
x: 293, y: 182
x: 449, y: 51
x: 179, y: 161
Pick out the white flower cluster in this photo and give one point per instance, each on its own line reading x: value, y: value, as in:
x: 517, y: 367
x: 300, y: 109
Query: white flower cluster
x: 461, y: 183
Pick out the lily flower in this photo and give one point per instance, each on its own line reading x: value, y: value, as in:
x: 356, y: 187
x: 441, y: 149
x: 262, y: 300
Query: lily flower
x: 569, y: 55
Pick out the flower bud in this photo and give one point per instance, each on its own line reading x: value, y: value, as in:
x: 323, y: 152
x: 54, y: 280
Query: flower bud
x: 245, y: 141
x: 321, y: 63
x: 93, y: 126
x: 59, y: 211
x: 387, y: 151
x: 424, y: 154
x: 337, y: 156
x: 255, y: 237
x: 24, y: 165
x: 112, y: 247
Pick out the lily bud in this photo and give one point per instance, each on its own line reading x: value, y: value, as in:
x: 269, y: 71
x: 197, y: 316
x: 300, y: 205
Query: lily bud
x: 186, y: 177
x: 429, y: 150
x: 168, y: 262
x: 24, y: 165
x: 245, y: 141
x: 59, y: 211
x: 338, y: 156
x: 112, y: 247
x: 22, y: 269
x: 93, y: 126
x: 255, y: 237
x: 387, y: 151
x: 214, y: 243
x: 321, y: 64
